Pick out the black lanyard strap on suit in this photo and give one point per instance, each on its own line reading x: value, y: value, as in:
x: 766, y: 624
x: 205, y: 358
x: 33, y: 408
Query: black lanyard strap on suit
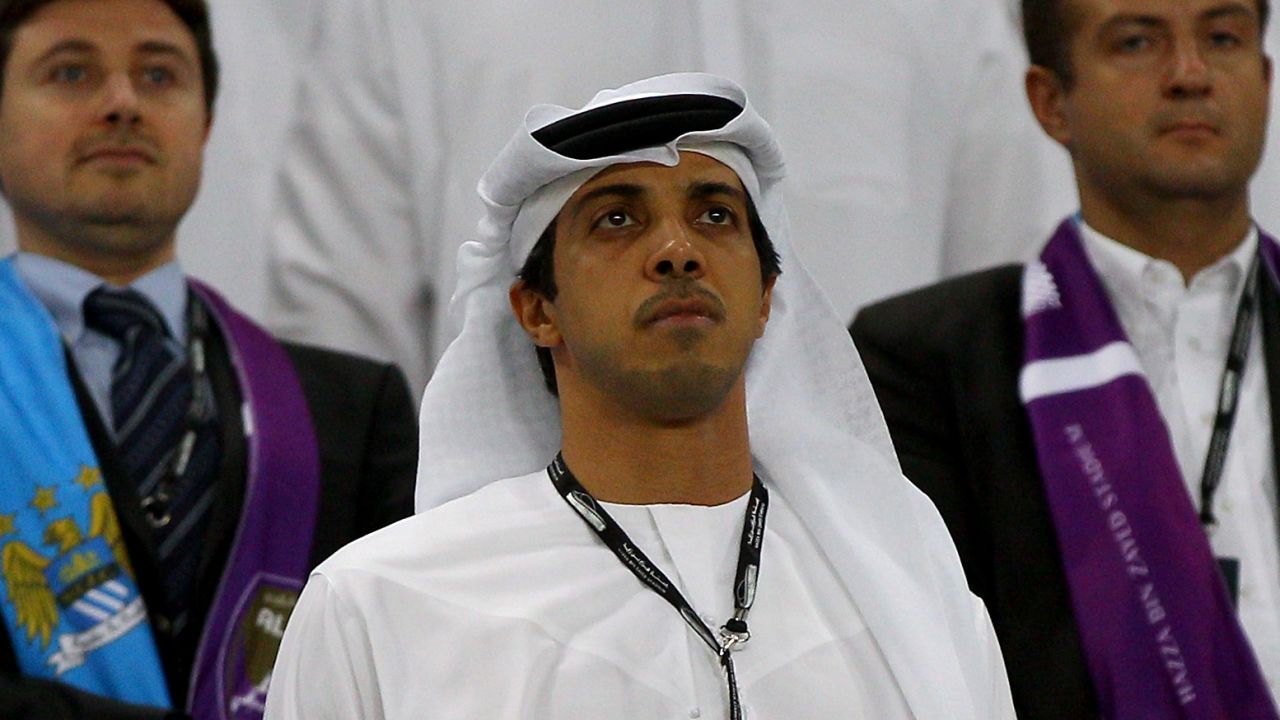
x: 734, y: 631
x: 1229, y: 394
x: 155, y: 507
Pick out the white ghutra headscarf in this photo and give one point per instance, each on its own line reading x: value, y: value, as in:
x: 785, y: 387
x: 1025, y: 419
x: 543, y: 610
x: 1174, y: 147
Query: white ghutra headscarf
x: 817, y: 434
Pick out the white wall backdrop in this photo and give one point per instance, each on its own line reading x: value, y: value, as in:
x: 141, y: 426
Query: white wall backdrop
x: 911, y: 150
x: 912, y: 153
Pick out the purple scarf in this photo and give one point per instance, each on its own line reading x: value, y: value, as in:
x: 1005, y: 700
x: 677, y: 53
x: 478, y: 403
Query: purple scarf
x: 1160, y: 635
x: 267, y: 565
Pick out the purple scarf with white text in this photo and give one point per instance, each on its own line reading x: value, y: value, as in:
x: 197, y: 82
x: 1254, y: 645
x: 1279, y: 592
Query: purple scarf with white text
x: 1159, y: 632
x: 267, y: 565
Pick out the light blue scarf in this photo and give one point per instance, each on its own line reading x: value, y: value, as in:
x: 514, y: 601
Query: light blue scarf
x: 67, y: 593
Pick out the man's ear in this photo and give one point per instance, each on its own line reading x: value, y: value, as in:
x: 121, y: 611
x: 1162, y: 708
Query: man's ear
x: 766, y: 305
x: 1048, y: 98
x: 535, y: 313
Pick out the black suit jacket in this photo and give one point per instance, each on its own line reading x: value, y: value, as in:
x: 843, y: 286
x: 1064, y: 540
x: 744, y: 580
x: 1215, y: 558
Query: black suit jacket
x: 367, y: 434
x: 944, y: 362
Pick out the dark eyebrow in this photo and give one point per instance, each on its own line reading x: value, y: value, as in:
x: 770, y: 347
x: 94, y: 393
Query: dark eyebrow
x: 623, y: 190
x: 1232, y: 9
x: 1147, y: 21
x: 149, y: 47
x: 73, y: 45
x: 703, y: 190
x: 1229, y: 9
x: 159, y: 47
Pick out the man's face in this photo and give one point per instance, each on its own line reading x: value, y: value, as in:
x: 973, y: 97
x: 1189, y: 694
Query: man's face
x: 1169, y: 98
x: 659, y: 290
x: 102, y: 127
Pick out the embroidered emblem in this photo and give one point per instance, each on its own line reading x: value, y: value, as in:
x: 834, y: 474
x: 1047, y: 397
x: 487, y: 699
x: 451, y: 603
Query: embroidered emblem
x: 259, y: 632
x: 78, y: 582
x: 1039, y: 291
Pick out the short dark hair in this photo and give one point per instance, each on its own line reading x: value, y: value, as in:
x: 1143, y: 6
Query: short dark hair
x: 1047, y: 27
x: 538, y: 274
x: 193, y: 13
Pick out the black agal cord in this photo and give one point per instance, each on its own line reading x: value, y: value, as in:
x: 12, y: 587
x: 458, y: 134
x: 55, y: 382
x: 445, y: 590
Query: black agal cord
x: 734, y: 631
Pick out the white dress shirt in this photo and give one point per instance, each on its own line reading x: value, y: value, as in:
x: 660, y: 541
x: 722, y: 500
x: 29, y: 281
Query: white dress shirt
x: 1181, y: 333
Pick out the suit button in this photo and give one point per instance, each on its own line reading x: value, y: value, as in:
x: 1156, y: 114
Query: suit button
x: 162, y: 624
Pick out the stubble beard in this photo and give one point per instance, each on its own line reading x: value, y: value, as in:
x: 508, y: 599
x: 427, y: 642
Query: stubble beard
x: 1206, y: 183
x: 102, y: 229
x: 684, y: 390
x: 1220, y: 176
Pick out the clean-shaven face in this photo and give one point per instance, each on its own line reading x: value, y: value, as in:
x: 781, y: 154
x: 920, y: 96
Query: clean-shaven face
x: 1169, y: 98
x: 102, y: 127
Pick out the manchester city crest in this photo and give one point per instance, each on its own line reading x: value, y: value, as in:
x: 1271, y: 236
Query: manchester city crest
x: 71, y: 592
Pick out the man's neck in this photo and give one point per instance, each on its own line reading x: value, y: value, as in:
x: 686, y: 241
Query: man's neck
x: 625, y: 459
x: 1191, y: 234
x: 118, y: 262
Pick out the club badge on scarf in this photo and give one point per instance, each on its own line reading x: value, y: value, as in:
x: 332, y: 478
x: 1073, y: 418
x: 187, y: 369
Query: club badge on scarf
x: 67, y: 592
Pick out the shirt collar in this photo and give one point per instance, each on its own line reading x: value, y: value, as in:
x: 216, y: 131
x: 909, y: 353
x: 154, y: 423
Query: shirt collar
x: 62, y: 287
x: 1121, y: 266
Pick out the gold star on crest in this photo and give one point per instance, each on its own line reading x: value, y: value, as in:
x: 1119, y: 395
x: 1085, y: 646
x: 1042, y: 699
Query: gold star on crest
x: 44, y: 500
x: 88, y: 478
x: 8, y: 524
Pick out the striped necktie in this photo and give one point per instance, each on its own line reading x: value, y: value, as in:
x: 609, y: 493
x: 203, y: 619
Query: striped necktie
x: 152, y: 409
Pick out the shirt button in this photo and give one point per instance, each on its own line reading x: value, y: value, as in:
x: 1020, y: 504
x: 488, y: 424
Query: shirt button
x: 1195, y: 344
x: 695, y: 713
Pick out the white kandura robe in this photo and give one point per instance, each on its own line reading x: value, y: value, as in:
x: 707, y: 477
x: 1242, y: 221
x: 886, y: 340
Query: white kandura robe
x: 504, y: 604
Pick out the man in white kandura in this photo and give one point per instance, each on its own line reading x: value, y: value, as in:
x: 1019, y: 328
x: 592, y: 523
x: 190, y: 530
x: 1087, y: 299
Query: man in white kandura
x: 645, y: 234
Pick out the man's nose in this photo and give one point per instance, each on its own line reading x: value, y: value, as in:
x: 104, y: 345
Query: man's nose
x: 676, y: 254
x: 120, y: 103
x: 1189, y: 74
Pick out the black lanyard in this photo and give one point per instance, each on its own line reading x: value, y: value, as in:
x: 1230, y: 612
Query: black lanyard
x: 1229, y: 395
x: 734, y: 631
x: 156, y: 506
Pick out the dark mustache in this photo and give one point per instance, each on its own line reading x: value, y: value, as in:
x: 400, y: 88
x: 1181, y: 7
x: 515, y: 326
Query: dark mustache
x: 678, y: 290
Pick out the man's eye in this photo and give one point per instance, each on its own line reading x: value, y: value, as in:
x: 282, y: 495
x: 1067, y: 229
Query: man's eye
x: 615, y: 219
x: 717, y: 216
x: 1224, y: 40
x: 158, y: 75
x: 69, y: 73
x: 1134, y: 43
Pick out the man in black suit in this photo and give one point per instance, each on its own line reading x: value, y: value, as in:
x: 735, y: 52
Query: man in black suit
x: 169, y: 473
x: 1097, y: 427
